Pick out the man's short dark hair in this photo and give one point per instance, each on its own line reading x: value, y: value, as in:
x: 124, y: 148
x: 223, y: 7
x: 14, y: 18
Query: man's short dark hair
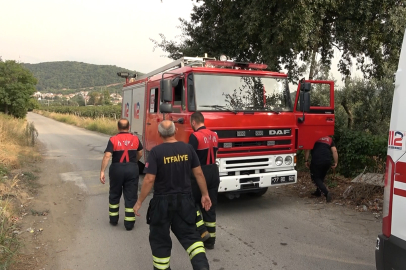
x: 197, y: 117
x: 123, y: 124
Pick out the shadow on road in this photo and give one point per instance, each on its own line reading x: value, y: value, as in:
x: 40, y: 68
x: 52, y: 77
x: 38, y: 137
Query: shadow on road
x: 247, y: 203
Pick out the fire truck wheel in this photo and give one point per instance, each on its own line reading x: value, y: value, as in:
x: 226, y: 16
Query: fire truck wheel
x: 258, y: 193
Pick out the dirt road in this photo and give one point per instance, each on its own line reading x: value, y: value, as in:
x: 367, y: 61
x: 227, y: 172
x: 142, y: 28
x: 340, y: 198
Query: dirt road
x: 272, y: 232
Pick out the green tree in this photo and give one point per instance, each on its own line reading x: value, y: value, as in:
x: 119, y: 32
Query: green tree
x: 367, y: 104
x: 33, y: 104
x: 280, y: 33
x: 93, y: 98
x: 106, y: 97
x: 17, y: 85
x: 79, y: 100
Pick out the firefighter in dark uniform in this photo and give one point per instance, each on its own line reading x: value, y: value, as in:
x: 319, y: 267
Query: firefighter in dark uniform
x: 324, y: 150
x: 126, y: 150
x: 168, y: 169
x: 205, y: 143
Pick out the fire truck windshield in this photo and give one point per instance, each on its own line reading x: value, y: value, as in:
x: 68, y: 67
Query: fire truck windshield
x: 216, y: 92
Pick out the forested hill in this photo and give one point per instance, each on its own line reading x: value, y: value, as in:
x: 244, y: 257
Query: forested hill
x: 74, y: 75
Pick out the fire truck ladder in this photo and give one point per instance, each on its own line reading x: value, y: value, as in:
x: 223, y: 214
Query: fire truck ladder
x: 184, y: 61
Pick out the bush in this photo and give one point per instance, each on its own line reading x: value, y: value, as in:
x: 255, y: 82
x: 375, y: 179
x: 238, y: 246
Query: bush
x: 110, y: 111
x: 33, y: 104
x: 358, y: 150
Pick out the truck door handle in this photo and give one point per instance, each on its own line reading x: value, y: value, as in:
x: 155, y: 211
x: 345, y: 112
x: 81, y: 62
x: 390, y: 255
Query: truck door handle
x: 329, y: 119
x: 148, y: 124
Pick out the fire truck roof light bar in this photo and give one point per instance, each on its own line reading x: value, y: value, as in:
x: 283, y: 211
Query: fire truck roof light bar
x: 184, y: 61
x: 236, y: 64
x: 198, y: 61
x: 126, y: 75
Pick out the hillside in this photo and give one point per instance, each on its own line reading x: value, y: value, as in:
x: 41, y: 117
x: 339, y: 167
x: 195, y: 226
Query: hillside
x: 74, y: 75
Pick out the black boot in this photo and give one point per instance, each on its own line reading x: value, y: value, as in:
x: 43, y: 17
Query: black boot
x: 328, y: 197
x: 317, y: 193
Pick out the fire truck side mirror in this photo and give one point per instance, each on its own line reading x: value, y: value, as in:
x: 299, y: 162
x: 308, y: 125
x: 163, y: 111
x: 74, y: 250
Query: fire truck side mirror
x: 165, y: 108
x: 305, y: 86
x: 191, y: 97
x: 166, y: 90
x: 175, y: 82
x: 304, y: 101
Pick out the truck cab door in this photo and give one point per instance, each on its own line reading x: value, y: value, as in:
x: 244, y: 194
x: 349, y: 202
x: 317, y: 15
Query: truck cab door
x: 319, y: 120
x: 178, y: 114
x: 152, y: 119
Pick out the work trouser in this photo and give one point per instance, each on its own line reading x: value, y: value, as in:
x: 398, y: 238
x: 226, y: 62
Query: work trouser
x: 123, y: 180
x: 318, y: 173
x: 206, y: 220
x: 176, y: 212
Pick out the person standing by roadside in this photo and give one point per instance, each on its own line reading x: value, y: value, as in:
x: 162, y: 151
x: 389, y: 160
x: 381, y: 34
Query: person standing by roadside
x: 125, y: 150
x: 168, y: 168
x: 324, y: 150
x: 205, y: 143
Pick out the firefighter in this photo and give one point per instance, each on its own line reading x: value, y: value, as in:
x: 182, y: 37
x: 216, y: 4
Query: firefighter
x: 324, y: 150
x: 126, y: 150
x: 168, y: 169
x: 205, y: 143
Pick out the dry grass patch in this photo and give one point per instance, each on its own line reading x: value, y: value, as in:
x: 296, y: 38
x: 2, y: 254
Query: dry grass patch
x: 103, y: 125
x: 17, y: 150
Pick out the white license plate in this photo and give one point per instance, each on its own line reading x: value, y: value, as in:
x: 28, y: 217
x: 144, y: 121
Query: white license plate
x: 283, y: 179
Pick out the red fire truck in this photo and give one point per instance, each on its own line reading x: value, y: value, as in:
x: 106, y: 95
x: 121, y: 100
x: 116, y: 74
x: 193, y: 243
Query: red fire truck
x: 260, y: 123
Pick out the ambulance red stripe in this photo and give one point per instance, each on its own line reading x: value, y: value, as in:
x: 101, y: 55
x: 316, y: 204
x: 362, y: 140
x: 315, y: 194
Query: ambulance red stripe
x: 400, y: 175
x: 400, y: 192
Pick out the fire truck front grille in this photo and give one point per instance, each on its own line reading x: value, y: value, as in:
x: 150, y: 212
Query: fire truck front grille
x: 253, y: 143
x: 254, y: 150
x: 239, y: 161
x: 247, y: 163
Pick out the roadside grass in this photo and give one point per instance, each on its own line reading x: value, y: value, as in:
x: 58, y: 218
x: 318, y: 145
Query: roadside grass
x: 103, y: 125
x: 18, y: 151
x: 9, y: 243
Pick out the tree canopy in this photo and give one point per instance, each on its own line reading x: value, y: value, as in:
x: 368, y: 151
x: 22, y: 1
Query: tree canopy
x: 279, y: 33
x: 74, y: 75
x: 17, y: 84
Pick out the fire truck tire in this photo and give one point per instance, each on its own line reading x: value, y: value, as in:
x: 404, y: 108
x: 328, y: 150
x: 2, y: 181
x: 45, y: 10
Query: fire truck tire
x: 258, y: 193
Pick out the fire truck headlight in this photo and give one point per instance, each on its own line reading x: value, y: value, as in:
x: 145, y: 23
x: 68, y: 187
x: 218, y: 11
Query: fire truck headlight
x: 279, y: 161
x: 288, y: 160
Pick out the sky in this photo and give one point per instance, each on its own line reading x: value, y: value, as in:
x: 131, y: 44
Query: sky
x: 97, y: 32
x: 104, y: 32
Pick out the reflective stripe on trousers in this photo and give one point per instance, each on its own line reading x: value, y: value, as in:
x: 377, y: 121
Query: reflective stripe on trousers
x: 210, y: 224
x: 161, y: 263
x: 195, y: 249
x: 129, y: 215
x: 113, y: 209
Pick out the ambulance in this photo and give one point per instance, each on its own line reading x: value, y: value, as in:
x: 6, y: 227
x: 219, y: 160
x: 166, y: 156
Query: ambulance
x: 390, y: 253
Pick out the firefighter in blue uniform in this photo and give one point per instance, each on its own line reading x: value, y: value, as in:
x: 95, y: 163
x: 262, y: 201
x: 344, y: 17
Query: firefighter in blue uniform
x: 205, y: 143
x: 168, y: 169
x: 125, y: 150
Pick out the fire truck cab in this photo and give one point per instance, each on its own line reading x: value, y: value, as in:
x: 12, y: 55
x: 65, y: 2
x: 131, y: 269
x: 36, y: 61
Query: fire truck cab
x: 259, y: 122
x: 390, y: 253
